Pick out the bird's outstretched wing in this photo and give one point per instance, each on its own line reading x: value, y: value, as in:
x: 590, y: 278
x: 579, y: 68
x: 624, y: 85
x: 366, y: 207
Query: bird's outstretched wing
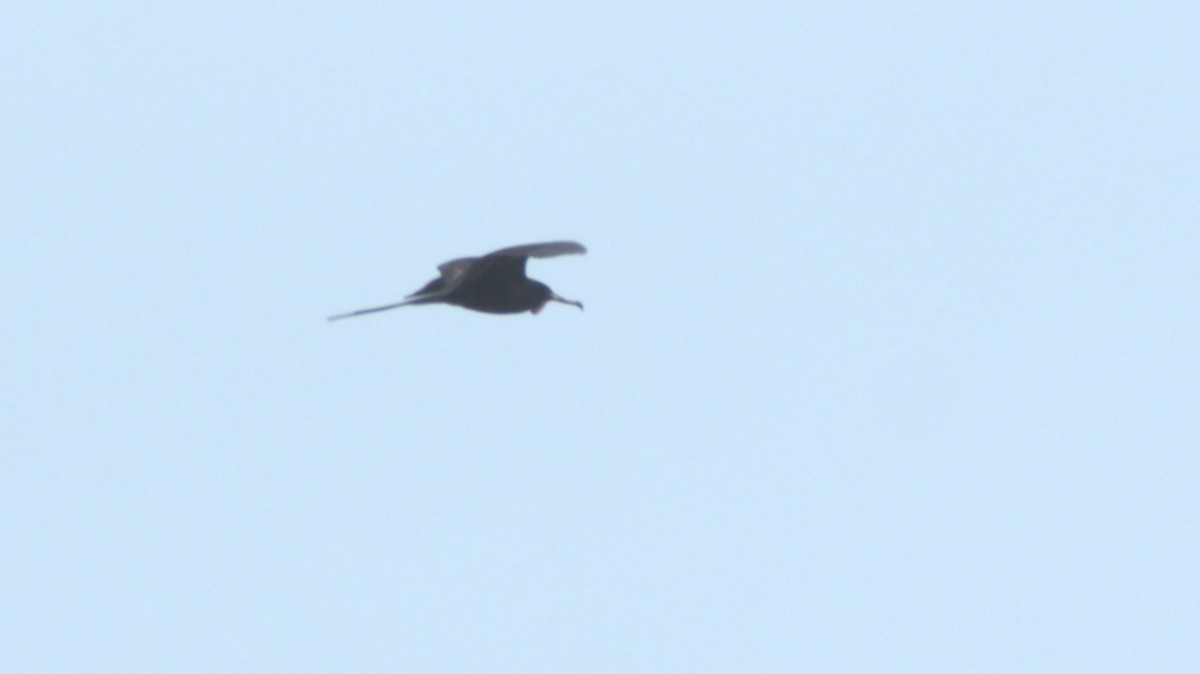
x: 547, y: 249
x: 510, y: 262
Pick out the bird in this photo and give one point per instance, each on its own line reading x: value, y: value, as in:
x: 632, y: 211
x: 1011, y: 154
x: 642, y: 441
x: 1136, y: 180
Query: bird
x: 494, y: 283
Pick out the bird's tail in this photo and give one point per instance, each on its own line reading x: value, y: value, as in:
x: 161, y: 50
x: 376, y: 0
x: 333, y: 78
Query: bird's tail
x: 360, y: 312
x: 415, y: 298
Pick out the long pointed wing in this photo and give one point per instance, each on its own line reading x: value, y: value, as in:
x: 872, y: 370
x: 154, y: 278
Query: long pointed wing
x: 455, y: 271
x: 547, y: 249
x: 510, y: 262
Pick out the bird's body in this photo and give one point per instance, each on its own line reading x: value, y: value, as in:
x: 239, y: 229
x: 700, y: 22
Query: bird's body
x: 494, y: 284
x: 502, y: 296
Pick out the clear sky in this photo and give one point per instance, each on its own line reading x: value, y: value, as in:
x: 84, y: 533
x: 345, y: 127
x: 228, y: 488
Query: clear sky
x: 889, y: 361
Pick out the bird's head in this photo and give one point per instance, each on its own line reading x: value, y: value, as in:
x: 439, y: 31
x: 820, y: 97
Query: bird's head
x: 548, y: 295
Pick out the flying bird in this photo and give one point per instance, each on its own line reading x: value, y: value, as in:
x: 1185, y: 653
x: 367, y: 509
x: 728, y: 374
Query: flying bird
x: 495, y: 283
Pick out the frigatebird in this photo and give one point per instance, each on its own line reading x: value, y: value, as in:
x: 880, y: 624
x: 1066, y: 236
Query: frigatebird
x: 494, y: 284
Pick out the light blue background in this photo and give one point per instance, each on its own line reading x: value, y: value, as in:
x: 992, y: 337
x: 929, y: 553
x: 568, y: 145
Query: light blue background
x: 889, y: 362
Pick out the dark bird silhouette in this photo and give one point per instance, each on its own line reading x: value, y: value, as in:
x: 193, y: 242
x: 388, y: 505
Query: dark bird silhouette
x: 495, y: 283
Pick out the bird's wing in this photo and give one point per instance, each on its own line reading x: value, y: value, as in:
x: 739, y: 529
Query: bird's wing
x: 454, y: 273
x: 547, y: 249
x: 510, y: 262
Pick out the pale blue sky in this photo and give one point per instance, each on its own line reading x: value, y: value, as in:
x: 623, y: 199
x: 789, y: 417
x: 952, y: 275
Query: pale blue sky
x: 889, y: 362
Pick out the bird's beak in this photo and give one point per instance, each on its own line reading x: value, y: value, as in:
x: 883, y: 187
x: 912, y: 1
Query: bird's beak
x: 564, y: 300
